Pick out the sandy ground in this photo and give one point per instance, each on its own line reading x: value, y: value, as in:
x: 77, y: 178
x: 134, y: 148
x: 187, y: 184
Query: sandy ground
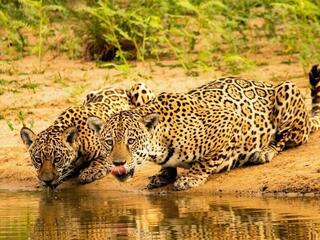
x: 63, y: 83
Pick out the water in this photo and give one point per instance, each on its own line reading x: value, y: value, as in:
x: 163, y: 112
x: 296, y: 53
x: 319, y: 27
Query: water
x: 109, y: 215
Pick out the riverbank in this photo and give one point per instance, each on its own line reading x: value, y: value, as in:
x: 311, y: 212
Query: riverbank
x: 38, y: 98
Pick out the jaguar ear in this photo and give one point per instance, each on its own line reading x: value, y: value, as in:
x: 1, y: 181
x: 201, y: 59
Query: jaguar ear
x: 96, y: 124
x: 27, y: 136
x: 70, y: 135
x: 151, y: 121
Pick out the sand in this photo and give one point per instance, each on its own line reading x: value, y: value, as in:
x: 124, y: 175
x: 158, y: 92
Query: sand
x: 64, y: 83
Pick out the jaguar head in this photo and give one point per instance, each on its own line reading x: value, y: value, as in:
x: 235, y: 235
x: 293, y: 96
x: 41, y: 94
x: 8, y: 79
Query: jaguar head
x: 126, y: 139
x: 52, y: 153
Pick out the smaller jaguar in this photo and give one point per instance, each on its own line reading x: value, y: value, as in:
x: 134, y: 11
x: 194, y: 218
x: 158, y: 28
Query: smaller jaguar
x: 218, y: 126
x: 68, y: 145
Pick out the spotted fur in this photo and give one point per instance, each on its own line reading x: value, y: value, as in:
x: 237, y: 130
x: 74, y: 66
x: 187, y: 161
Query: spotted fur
x: 68, y: 145
x: 140, y: 94
x: 218, y: 126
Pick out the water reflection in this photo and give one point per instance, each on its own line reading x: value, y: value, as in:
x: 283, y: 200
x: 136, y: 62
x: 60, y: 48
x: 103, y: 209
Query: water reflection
x: 111, y: 215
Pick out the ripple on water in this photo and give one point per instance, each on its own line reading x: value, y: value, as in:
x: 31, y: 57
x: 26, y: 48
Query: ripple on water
x: 72, y: 214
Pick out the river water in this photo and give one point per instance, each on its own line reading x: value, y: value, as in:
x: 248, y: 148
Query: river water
x: 72, y: 214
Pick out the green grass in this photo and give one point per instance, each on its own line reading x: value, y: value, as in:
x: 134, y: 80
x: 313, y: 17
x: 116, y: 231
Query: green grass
x: 20, y: 118
x: 237, y: 64
x: 6, y: 67
x: 10, y: 125
x: 3, y: 82
x: 15, y: 86
x: 59, y: 79
x: 77, y: 91
x: 199, y: 34
x: 31, y: 86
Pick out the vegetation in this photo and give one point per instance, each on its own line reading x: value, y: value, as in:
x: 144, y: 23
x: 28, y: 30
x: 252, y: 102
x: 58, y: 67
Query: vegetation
x: 197, y: 33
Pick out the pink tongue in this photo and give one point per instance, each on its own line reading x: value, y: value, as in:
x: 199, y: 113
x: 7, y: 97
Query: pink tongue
x: 118, y: 170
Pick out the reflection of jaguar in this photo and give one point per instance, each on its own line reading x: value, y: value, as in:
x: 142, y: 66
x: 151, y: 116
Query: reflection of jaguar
x: 218, y: 126
x: 80, y: 215
x: 68, y: 143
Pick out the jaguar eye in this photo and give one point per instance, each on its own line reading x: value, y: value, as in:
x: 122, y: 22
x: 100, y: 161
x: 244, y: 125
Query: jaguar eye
x: 109, y: 142
x: 38, y: 160
x: 131, y: 141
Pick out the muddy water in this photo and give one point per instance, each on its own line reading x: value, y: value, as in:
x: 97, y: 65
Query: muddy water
x: 110, y: 215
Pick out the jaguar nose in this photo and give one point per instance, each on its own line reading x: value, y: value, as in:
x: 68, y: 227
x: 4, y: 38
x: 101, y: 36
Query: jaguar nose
x: 119, y: 162
x: 48, y: 182
x: 47, y: 178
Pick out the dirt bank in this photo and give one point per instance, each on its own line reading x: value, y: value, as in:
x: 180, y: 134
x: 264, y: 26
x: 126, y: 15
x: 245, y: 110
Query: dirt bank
x: 42, y: 96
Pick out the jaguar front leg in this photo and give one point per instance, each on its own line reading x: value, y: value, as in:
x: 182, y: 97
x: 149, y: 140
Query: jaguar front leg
x: 197, y: 175
x: 265, y: 155
x: 95, y: 171
x: 164, y: 177
x: 202, y: 169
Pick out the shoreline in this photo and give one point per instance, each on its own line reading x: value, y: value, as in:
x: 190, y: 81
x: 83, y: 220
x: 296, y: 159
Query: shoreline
x: 285, y: 176
x: 294, y: 172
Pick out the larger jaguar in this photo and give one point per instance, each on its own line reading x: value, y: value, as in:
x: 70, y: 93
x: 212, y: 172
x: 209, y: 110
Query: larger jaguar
x: 218, y: 126
x: 68, y: 145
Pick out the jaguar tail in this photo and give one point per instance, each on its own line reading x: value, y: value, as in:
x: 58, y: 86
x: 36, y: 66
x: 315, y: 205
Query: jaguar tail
x: 314, y: 78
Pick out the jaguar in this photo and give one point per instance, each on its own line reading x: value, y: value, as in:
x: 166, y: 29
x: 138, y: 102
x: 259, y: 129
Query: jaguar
x: 223, y: 124
x: 69, y: 146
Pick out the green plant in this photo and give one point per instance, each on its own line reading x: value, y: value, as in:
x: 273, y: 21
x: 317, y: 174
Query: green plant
x: 59, y: 79
x: 199, y: 34
x: 236, y: 64
x: 12, y: 22
x: 30, y: 85
x: 21, y: 117
x: 300, y: 25
x: 76, y: 91
x: 17, y: 16
x: 10, y: 125
x: 122, y: 33
x: 40, y: 12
